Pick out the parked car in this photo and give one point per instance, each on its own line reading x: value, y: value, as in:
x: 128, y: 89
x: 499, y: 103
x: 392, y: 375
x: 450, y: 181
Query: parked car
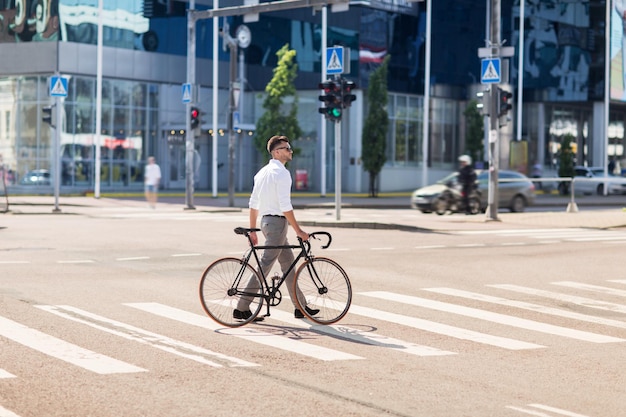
x: 591, y: 180
x: 515, y: 191
x: 36, y: 177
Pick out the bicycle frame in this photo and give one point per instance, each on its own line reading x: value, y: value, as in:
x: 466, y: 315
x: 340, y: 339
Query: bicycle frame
x: 269, y: 293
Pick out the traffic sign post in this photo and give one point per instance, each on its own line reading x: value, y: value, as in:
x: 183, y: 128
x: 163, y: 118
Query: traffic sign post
x: 334, y: 60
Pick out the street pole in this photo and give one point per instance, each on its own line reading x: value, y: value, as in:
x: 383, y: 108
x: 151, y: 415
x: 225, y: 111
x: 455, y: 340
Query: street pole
x: 426, y: 114
x: 323, y: 129
x: 494, y: 135
x: 520, y: 69
x: 232, y: 45
x: 191, y: 80
x: 57, y: 154
x: 338, y: 170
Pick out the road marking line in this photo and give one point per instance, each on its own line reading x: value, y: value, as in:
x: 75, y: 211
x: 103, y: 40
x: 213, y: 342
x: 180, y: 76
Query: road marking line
x: 526, y: 411
x: 247, y: 333
x: 512, y: 244
x: 361, y: 336
x: 495, y: 317
x: 4, y: 374
x: 7, y: 413
x: 444, y: 329
x: 589, y: 287
x: 176, y: 347
x: 529, y: 306
x: 556, y: 410
x: 514, y: 231
x: 619, y: 281
x: 582, y: 301
x: 470, y: 245
x: 63, y: 350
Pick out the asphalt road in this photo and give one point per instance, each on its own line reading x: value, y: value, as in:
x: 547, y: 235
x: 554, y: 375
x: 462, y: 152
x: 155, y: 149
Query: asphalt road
x: 99, y: 316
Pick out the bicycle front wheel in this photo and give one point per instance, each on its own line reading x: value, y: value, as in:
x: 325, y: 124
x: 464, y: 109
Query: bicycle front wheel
x: 229, y: 284
x: 321, y: 284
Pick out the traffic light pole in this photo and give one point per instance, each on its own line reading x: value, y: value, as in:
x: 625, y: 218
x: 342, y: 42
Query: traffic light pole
x: 494, y: 135
x: 57, y: 155
x: 189, y: 134
x: 338, y: 170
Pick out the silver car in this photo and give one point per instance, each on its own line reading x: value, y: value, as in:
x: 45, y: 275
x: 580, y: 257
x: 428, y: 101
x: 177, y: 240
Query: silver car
x: 591, y: 180
x: 515, y: 191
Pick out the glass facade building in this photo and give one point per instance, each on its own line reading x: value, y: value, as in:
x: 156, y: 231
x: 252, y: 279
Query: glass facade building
x: 144, y: 67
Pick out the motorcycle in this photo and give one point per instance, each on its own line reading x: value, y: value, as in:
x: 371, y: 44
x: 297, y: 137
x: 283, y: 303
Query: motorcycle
x: 451, y: 201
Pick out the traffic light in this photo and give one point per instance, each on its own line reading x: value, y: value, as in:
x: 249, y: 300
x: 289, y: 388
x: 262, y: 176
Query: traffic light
x: 346, y: 92
x: 504, y: 102
x: 332, y: 100
x: 484, y: 101
x: 195, y: 117
x: 47, y: 115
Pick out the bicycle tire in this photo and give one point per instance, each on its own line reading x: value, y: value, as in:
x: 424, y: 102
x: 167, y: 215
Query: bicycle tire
x: 323, y: 285
x: 222, y: 286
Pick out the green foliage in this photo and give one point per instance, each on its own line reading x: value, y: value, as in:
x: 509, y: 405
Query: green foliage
x: 278, y: 120
x: 475, y: 131
x: 376, y: 126
x: 566, y: 157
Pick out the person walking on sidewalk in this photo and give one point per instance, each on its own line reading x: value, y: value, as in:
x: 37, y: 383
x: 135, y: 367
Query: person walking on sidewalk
x: 152, y: 178
x: 467, y: 179
x: 271, y: 200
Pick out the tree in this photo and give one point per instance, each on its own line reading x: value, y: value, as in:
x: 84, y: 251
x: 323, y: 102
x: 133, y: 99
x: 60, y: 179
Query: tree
x: 374, y: 139
x: 278, y: 120
x: 475, y: 131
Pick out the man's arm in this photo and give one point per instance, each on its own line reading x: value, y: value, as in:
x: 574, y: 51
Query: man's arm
x: 254, y: 214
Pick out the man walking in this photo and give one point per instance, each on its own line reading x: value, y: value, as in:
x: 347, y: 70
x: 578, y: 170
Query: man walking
x: 271, y: 200
x: 152, y: 178
x: 467, y: 179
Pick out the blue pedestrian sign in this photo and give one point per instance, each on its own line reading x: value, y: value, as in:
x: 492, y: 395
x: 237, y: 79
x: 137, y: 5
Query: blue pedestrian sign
x: 490, y: 71
x: 186, y: 93
x: 58, y: 86
x: 334, y: 60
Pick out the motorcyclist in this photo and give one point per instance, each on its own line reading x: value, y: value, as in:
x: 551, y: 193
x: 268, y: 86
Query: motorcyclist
x: 467, y: 180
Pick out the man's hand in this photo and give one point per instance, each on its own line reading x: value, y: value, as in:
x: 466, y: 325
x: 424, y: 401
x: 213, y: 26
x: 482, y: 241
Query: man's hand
x: 302, y: 235
x: 254, y: 238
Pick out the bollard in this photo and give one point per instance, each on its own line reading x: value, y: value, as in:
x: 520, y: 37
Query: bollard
x: 572, y: 207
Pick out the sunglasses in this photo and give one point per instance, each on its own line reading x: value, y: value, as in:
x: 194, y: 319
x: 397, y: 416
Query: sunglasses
x: 284, y: 147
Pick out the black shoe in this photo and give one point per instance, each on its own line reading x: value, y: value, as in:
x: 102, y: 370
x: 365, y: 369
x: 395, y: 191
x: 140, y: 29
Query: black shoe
x: 245, y: 315
x: 312, y: 311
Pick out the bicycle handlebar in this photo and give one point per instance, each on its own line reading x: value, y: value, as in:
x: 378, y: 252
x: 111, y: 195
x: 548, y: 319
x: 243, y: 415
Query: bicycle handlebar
x: 328, y: 236
x: 246, y: 231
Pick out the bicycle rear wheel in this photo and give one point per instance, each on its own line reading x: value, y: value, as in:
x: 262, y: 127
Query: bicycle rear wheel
x: 321, y: 284
x: 224, y: 283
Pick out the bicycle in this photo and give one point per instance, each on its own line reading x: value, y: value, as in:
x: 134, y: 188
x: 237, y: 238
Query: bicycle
x: 319, y: 282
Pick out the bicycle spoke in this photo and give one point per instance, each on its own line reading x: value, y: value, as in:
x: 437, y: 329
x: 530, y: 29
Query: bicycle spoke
x: 321, y: 284
x: 229, y: 284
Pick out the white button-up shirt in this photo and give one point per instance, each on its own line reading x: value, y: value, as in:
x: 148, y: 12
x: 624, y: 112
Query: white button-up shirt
x: 271, y: 193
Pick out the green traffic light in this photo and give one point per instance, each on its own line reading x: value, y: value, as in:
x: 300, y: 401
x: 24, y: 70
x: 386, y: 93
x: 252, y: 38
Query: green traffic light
x: 335, y: 112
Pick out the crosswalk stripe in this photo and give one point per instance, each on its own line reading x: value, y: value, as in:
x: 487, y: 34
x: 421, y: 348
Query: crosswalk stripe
x: 246, y: 332
x: 582, y: 301
x: 7, y: 413
x: 529, y: 306
x: 62, y: 350
x: 444, y: 329
x: 176, y: 347
x: 495, y: 317
x: 360, y: 336
x: 589, y: 287
x: 5, y: 374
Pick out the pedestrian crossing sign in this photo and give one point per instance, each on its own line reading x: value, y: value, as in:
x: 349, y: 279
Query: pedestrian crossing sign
x: 490, y: 71
x: 334, y: 60
x: 186, y: 93
x: 58, y: 86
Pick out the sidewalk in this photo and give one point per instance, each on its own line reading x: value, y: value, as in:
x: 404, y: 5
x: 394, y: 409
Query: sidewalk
x: 388, y: 212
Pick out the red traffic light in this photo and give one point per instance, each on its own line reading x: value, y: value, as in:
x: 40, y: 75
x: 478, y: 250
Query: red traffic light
x: 195, y: 117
